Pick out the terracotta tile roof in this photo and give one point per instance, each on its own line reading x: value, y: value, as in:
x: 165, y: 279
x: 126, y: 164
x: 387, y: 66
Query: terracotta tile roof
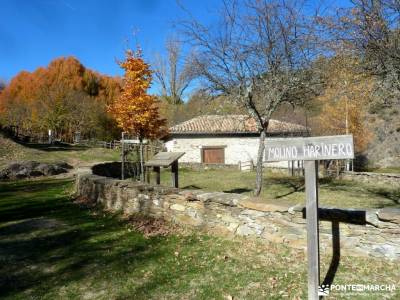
x: 232, y: 124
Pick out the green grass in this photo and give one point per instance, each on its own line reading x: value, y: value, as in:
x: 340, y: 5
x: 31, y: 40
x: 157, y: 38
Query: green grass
x: 51, y: 248
x: 12, y: 151
x: 76, y: 154
x: 385, y: 170
x: 289, y: 190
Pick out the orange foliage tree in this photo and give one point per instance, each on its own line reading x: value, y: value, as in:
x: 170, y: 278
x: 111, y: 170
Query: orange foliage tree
x: 135, y: 111
x: 65, y: 97
x: 344, y: 101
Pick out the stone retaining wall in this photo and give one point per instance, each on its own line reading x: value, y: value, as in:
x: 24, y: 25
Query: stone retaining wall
x: 374, y: 232
x: 369, y: 177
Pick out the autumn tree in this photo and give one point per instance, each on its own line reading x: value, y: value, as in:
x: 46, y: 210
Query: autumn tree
x: 257, y: 55
x: 135, y: 111
x: 371, y: 30
x: 65, y: 97
x: 344, y: 101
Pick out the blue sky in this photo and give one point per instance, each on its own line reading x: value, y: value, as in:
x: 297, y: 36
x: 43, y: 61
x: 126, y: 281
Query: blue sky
x: 33, y: 32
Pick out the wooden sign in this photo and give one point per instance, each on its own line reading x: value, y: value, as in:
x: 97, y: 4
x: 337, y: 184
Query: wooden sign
x: 164, y: 159
x: 309, y: 148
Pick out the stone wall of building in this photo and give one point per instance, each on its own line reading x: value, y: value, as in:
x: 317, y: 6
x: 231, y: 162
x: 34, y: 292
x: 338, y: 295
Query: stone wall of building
x: 362, y: 233
x: 236, y: 149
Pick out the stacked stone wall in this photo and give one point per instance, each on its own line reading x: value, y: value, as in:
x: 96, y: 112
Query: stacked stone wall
x: 362, y: 232
x: 369, y: 177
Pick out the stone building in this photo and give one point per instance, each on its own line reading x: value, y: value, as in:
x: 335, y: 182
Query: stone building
x: 224, y: 139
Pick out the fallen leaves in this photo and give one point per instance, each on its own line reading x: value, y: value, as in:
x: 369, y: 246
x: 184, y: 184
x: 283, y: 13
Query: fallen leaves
x: 84, y: 202
x: 151, y: 227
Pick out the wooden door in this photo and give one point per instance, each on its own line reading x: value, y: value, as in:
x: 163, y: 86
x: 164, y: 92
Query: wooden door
x: 213, y: 155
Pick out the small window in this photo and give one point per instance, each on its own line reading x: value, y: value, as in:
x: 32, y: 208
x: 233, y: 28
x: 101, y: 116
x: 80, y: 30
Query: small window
x: 213, y: 155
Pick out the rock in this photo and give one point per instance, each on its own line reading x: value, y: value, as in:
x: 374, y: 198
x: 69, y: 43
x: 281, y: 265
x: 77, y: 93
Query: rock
x: 233, y: 226
x: 261, y: 205
x: 252, y: 213
x: 386, y: 250
x: 228, y: 219
x: 371, y: 218
x: 48, y: 169
x: 221, y: 198
x: 244, y: 230
x: 189, y: 196
x: 187, y: 220
x: 32, y: 169
x: 64, y: 165
x: 196, y: 205
x: 389, y: 214
x: 177, y: 207
x: 296, y: 209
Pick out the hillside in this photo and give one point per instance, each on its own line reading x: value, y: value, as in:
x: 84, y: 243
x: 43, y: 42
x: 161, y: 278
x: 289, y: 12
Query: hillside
x: 74, y: 155
x: 384, y: 150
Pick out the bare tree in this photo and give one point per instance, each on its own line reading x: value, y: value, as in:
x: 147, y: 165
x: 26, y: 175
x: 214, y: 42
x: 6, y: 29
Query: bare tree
x: 258, y: 55
x: 371, y: 30
x: 173, y: 72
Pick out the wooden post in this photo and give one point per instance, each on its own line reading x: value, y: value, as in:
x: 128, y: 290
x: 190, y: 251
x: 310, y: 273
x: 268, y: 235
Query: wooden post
x: 158, y: 174
x: 311, y: 183
x: 174, y: 174
x: 337, y: 168
x: 122, y: 157
x: 142, y: 178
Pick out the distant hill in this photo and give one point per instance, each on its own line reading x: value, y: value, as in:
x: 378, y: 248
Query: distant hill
x: 384, y: 150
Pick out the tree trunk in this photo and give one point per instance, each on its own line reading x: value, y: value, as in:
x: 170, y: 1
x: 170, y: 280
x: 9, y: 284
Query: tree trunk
x: 259, y: 167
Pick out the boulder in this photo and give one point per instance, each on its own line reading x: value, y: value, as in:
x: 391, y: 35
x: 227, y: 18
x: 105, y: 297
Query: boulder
x: 32, y: 169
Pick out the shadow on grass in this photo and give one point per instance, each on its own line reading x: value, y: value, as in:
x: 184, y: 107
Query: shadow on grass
x: 191, y: 187
x: 294, y: 184
x: 29, y: 185
x: 393, y: 195
x: 58, y: 146
x: 47, y: 242
x: 54, y: 147
x: 238, y: 191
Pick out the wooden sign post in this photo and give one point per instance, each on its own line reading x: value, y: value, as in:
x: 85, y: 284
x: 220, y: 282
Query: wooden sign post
x: 311, y: 150
x: 166, y: 159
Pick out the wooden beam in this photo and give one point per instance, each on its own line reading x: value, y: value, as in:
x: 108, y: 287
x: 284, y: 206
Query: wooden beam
x: 311, y: 183
x: 158, y: 174
x: 174, y: 174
